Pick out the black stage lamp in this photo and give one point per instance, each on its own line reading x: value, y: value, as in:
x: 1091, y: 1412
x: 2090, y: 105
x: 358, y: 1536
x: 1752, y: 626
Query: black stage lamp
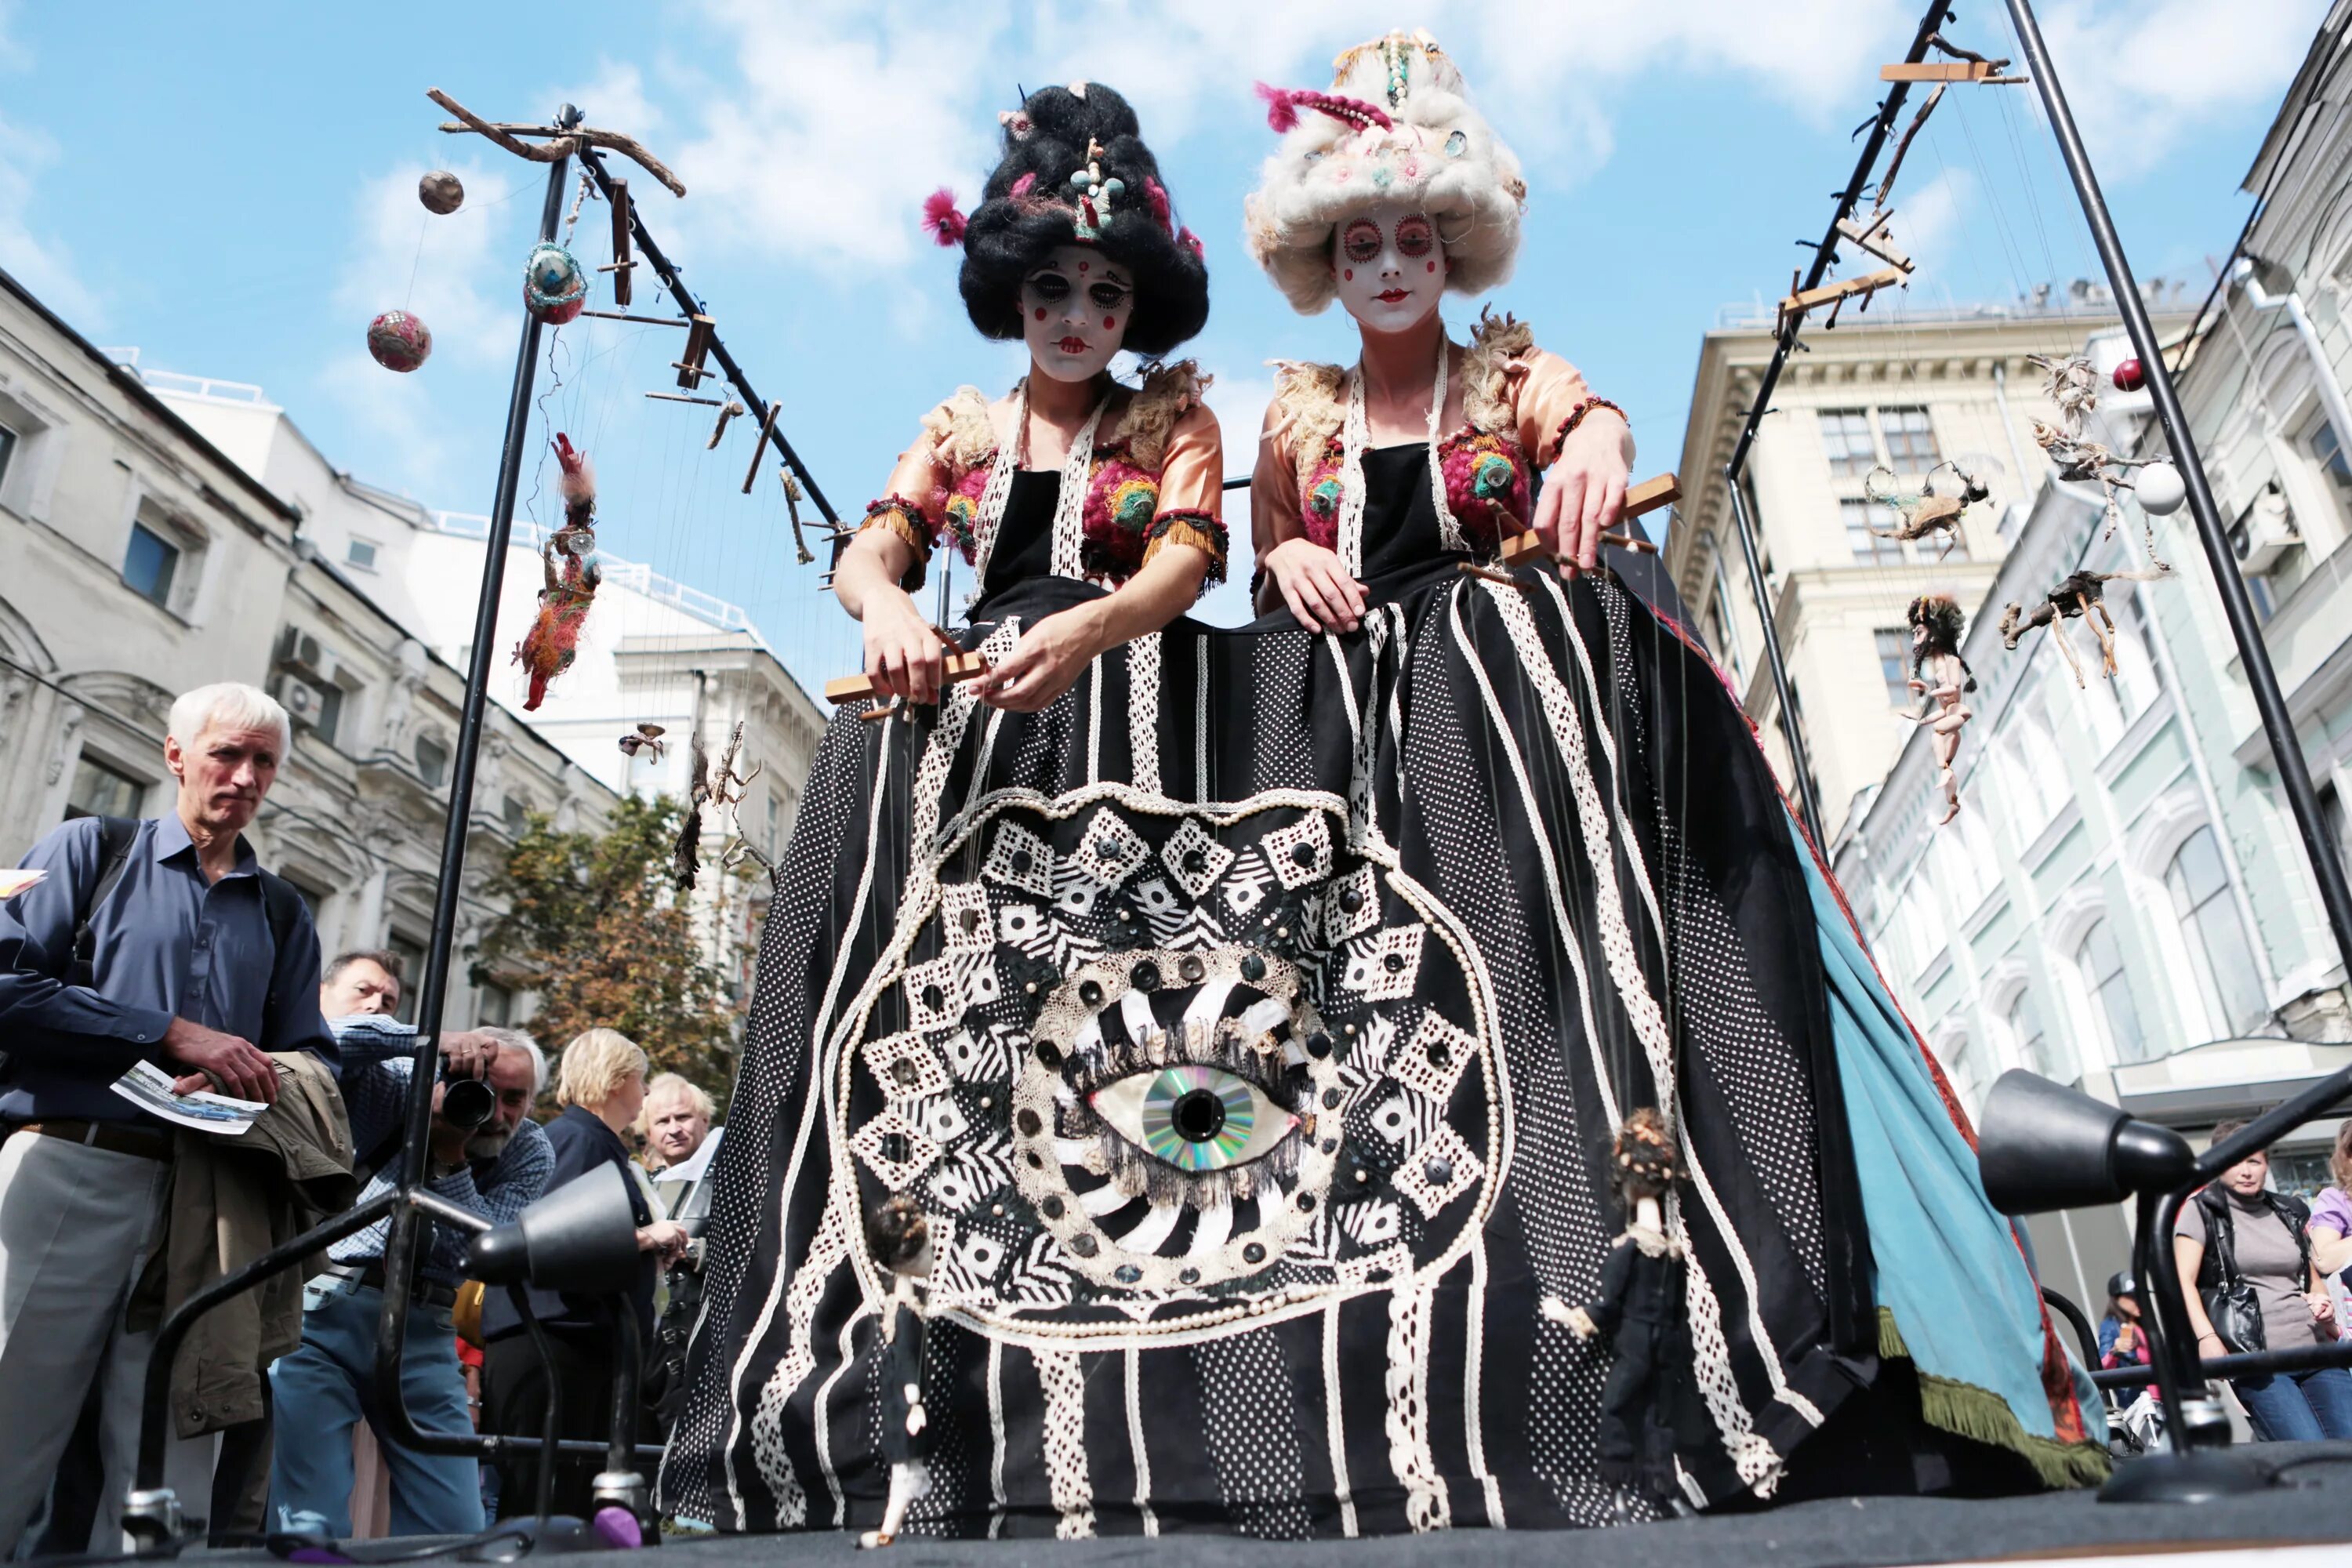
x: 581, y: 1237
x: 2043, y: 1147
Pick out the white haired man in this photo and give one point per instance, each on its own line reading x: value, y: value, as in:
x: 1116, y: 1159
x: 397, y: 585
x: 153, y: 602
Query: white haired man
x: 159, y: 941
x: 326, y: 1387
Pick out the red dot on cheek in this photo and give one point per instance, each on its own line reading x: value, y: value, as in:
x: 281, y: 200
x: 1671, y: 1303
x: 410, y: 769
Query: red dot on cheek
x: 1041, y: 313
x: 1349, y: 275
x: 1432, y: 267
x: 1109, y: 322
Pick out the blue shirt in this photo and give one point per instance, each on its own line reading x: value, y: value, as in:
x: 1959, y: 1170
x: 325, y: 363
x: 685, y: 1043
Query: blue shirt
x: 377, y: 1071
x: 168, y: 943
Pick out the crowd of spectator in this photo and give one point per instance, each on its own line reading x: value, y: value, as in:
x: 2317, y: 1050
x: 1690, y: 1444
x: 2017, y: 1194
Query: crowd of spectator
x: 164, y: 941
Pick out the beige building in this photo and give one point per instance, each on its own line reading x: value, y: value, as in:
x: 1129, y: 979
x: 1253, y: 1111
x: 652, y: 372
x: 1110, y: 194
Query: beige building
x: 1904, y: 389
x: 137, y: 560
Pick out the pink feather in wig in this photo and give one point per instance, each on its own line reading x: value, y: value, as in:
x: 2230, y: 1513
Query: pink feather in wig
x: 1157, y: 194
x: 941, y: 218
x: 1282, y: 104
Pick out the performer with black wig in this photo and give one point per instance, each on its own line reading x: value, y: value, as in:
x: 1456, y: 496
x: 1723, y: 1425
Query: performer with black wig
x: 1248, y: 1013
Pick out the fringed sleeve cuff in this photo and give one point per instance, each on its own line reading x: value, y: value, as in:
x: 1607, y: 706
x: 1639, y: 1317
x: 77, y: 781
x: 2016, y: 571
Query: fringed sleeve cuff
x: 897, y: 515
x: 1197, y: 529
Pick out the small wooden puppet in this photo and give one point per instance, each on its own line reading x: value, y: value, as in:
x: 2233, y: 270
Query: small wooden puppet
x: 1931, y: 511
x: 2079, y: 595
x: 899, y: 1236
x: 1639, y: 1308
x: 573, y: 573
x: 1939, y: 674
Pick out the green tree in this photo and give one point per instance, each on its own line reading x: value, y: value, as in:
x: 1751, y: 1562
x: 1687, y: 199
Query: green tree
x: 595, y: 925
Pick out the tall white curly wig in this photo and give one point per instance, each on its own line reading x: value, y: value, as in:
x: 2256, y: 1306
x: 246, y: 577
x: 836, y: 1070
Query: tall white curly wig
x: 1396, y: 126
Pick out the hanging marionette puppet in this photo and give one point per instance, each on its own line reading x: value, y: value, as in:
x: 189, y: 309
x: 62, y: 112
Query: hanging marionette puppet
x: 1939, y: 674
x: 1640, y: 1309
x: 899, y: 1236
x: 574, y: 573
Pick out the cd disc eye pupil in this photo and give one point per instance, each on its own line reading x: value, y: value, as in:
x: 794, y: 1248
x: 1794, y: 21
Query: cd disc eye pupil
x: 1198, y: 1115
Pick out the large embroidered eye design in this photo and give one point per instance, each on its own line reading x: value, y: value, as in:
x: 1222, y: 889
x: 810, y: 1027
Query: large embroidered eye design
x: 1046, y: 288
x: 1415, y: 236
x: 1109, y: 295
x: 1362, y: 242
x: 1195, y: 1117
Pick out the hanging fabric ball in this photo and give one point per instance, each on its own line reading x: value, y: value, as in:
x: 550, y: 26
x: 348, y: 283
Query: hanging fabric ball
x: 399, y: 341
x: 554, y: 286
x: 441, y: 191
x: 2160, y: 489
x: 2129, y: 376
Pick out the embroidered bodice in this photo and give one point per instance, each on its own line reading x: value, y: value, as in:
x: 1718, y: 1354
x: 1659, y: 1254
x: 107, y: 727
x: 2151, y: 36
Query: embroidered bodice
x: 1515, y: 400
x: 1154, y: 477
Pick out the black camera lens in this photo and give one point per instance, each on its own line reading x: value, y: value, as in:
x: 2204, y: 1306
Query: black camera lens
x: 467, y: 1102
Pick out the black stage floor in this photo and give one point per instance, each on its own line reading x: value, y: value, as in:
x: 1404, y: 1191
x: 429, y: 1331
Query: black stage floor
x: 2311, y: 1504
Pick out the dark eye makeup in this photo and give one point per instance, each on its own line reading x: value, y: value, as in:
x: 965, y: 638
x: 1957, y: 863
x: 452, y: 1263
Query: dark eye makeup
x: 1362, y: 242
x: 1415, y: 236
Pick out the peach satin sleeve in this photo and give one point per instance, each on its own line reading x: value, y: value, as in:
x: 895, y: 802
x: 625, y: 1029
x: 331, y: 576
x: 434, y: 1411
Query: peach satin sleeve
x: 1274, y: 514
x: 1192, y: 491
x: 909, y: 505
x: 1548, y: 394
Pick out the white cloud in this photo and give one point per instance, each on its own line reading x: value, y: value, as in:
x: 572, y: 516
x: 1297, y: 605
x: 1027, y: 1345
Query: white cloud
x: 2141, y: 74
x: 45, y: 266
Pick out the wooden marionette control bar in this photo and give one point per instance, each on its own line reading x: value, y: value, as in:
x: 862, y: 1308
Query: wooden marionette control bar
x: 1835, y: 294
x: 1527, y: 549
x: 759, y: 447
x: 858, y: 688
x: 624, y: 263
x: 1872, y: 237
x: 690, y: 372
x: 1949, y: 70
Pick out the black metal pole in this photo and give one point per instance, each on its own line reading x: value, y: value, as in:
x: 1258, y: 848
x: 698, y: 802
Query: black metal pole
x: 594, y: 164
x: 400, y: 1252
x: 1824, y: 256
x: 1801, y: 762
x: 2286, y: 752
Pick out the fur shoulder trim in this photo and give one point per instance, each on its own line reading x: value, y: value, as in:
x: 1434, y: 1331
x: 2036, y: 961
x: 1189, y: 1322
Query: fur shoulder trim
x: 1310, y: 405
x: 1499, y: 346
x: 1169, y: 393
x: 962, y: 429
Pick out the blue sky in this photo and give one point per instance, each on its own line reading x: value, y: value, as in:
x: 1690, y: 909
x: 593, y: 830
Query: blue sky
x: 231, y: 189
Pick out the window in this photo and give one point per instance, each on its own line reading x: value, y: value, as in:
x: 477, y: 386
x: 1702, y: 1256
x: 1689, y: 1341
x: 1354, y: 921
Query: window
x: 2102, y: 963
x: 1961, y: 1067
x: 1846, y: 436
x: 432, y: 761
x: 515, y: 814
x: 412, y: 975
x: 8, y: 450
x: 1895, y: 664
x: 2033, y: 1049
x: 149, y: 564
x: 2339, y: 831
x: 362, y: 554
x: 1910, y: 440
x: 493, y: 1008
x: 775, y: 820
x: 1860, y: 516
x: 2320, y: 440
x: 2216, y: 937
x: 101, y: 791
x: 1726, y: 629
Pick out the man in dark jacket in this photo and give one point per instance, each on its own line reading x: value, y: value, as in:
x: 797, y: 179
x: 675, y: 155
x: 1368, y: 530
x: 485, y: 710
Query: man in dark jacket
x: 161, y: 942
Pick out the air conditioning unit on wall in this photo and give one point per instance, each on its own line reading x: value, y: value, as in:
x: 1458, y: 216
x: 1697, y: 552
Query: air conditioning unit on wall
x: 2263, y: 531
x: 304, y: 703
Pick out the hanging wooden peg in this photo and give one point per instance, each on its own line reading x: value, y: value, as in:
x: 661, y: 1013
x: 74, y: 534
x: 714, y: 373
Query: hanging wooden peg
x: 792, y: 506
x: 1835, y: 295
x: 1874, y: 238
x: 623, y: 263
x: 727, y: 410
x: 700, y: 331
x: 759, y: 449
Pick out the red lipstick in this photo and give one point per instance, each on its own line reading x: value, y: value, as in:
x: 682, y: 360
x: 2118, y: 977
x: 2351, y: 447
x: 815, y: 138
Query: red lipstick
x: 1393, y: 295
x: 1072, y: 345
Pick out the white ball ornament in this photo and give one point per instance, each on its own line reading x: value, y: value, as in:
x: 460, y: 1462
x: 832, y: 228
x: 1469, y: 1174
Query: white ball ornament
x: 2160, y: 489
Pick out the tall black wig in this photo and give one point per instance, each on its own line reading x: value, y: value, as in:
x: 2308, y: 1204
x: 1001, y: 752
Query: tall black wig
x: 1029, y: 206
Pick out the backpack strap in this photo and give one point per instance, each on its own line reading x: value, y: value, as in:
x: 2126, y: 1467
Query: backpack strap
x: 2295, y: 1215
x: 115, y: 837
x: 2220, y: 1266
x: 281, y: 905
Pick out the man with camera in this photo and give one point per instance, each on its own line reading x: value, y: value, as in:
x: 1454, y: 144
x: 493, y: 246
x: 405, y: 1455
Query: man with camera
x: 484, y: 1155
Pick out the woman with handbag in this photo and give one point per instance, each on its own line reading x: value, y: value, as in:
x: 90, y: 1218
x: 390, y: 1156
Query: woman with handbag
x: 2257, y: 1288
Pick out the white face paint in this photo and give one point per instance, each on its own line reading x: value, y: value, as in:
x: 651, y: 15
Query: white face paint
x: 1074, y: 306
x: 1390, y: 268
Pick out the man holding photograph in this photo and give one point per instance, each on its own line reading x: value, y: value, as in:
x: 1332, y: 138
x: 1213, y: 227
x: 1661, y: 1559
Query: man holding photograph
x: 159, y: 941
